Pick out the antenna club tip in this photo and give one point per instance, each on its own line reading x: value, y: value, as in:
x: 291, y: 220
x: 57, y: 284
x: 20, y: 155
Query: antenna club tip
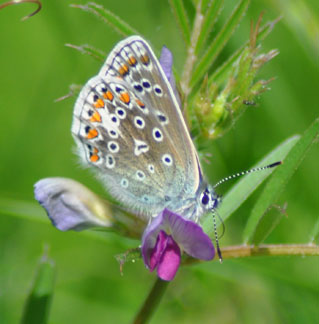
x: 275, y: 164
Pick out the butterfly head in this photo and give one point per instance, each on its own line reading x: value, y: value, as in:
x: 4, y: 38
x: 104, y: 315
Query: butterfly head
x: 208, y: 199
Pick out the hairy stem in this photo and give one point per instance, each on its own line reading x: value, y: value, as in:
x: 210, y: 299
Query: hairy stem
x: 151, y: 302
x: 243, y: 251
x: 191, y: 57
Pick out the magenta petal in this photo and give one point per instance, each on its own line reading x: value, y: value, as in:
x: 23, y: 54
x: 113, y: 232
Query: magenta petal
x: 150, y: 238
x: 188, y: 235
x: 160, y: 246
x: 170, y: 260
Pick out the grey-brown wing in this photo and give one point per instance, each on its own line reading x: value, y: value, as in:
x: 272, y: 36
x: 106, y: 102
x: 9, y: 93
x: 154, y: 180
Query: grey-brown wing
x: 127, y: 123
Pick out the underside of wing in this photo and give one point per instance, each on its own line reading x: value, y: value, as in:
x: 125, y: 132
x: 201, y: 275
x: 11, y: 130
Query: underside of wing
x: 128, y: 125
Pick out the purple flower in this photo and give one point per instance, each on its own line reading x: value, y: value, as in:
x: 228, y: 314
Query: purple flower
x: 72, y: 206
x: 166, y: 61
x: 167, y: 237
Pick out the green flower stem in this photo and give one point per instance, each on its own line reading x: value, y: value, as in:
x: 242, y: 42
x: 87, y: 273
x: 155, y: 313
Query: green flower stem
x: 243, y: 251
x: 151, y: 302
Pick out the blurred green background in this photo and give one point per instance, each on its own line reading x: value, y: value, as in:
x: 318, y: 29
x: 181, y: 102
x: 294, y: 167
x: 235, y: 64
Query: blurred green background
x: 36, y: 68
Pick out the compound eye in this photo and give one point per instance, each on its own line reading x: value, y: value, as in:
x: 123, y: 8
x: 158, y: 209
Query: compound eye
x: 205, y: 198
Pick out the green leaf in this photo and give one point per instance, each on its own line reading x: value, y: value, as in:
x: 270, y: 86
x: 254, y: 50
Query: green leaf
x: 109, y: 17
x: 205, y: 4
x: 38, y: 303
x: 267, y: 224
x: 212, y: 10
x: 241, y: 191
x: 279, y: 180
x: 219, y: 42
x: 222, y: 72
x: 315, y: 232
x: 22, y: 208
x: 182, y: 19
x: 97, y: 54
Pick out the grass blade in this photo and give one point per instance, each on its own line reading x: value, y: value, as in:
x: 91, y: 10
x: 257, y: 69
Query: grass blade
x: 219, y: 42
x: 38, y: 303
x: 211, y: 13
x: 109, y: 17
x: 249, y: 183
x: 267, y: 224
x: 181, y: 19
x: 280, y: 179
x: 315, y: 232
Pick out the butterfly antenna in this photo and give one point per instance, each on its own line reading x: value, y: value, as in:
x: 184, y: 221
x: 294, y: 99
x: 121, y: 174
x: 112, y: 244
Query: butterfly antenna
x: 219, y: 252
x: 246, y: 172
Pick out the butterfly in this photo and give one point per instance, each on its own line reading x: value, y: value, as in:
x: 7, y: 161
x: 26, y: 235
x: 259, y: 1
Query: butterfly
x: 128, y: 126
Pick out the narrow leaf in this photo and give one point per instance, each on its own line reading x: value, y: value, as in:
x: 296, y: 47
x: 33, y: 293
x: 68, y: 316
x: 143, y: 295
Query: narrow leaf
x: 205, y: 4
x: 242, y: 190
x: 109, y: 17
x: 280, y: 178
x: 38, y: 303
x: 181, y: 19
x: 219, y: 42
x: 315, y: 232
x: 210, y: 16
x: 267, y: 224
x: 97, y: 54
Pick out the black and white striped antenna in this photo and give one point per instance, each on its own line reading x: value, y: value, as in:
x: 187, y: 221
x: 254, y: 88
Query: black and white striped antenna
x: 239, y: 174
x: 219, y: 252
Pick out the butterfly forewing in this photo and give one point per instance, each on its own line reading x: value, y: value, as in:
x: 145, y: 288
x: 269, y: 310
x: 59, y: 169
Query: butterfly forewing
x: 128, y: 125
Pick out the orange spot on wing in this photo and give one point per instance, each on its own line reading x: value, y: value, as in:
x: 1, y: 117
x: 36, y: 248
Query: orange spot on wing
x: 132, y: 61
x: 99, y: 104
x: 140, y: 103
x: 125, y: 97
x: 94, y: 158
x: 92, y: 133
x: 145, y: 59
x: 95, y: 150
x: 108, y: 95
x: 123, y: 70
x: 96, y: 117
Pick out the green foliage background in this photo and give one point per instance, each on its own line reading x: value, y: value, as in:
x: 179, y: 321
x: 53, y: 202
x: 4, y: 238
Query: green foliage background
x: 36, y: 68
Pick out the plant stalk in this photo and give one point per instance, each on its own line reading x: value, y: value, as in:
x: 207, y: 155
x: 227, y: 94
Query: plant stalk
x: 151, y: 302
x: 243, y: 251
